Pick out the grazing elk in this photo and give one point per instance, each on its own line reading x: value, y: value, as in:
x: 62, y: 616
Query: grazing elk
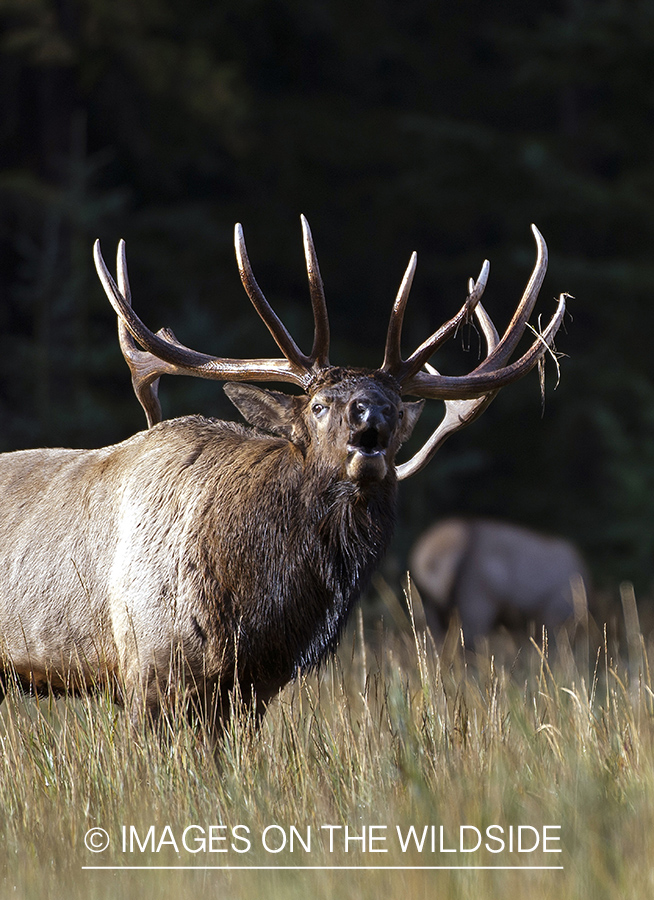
x: 212, y: 555
x: 495, y: 573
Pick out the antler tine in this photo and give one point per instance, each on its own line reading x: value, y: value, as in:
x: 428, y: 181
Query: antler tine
x: 516, y: 326
x: 420, y: 356
x: 458, y: 413
x: 320, y: 349
x: 272, y: 321
x: 488, y: 329
x: 405, y: 369
x: 145, y: 368
x: 392, y: 353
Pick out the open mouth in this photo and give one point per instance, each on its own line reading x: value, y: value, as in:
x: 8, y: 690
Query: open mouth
x: 367, y: 443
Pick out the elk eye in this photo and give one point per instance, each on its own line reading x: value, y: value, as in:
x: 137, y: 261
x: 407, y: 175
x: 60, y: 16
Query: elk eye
x: 400, y: 414
x: 318, y: 409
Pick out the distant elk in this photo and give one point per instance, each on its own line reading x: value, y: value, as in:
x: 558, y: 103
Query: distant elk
x: 201, y: 556
x: 493, y: 573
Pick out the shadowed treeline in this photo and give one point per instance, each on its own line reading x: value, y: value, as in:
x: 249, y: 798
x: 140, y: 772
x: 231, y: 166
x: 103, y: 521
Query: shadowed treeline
x: 442, y: 128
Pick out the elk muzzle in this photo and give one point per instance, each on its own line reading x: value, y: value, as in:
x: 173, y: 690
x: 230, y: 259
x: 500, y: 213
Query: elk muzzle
x: 371, y: 425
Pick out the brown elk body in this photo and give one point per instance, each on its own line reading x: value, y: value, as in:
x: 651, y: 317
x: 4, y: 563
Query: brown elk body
x: 494, y: 573
x: 201, y: 553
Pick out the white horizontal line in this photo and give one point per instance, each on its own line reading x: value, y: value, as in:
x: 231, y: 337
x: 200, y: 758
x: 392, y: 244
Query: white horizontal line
x: 322, y: 868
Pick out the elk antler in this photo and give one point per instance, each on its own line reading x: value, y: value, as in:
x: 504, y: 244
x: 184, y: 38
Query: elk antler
x: 492, y: 373
x: 163, y: 354
x: 467, y: 396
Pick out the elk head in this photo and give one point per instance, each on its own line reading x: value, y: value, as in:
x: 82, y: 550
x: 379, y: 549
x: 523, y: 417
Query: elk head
x: 361, y: 410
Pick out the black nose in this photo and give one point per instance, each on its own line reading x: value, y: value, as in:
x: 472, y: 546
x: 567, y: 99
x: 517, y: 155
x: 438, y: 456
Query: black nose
x: 366, y: 412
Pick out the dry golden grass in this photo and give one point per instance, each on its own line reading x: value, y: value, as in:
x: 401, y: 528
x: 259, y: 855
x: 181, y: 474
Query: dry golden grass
x: 393, y: 733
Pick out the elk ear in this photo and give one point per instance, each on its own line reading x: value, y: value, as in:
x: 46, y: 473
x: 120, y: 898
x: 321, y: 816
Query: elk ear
x: 273, y: 411
x: 411, y: 415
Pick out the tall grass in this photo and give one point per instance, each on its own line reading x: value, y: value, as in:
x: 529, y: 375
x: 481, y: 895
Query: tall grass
x: 395, y: 732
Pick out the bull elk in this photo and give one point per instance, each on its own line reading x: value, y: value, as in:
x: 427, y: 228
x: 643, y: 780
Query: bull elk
x: 212, y: 555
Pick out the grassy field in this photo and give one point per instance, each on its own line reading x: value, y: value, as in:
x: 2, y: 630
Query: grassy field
x: 495, y: 760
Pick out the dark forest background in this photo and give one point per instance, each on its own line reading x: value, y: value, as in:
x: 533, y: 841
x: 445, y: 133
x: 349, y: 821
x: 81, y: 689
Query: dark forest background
x: 441, y: 127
